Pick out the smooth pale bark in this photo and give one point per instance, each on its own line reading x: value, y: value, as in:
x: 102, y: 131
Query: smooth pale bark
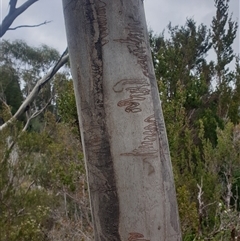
x: 123, y: 133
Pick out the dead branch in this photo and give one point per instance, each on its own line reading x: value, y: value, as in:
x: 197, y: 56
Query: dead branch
x: 200, y: 206
x: 12, y: 5
x: 36, y: 114
x: 33, y: 94
x: 7, y: 107
x: 228, y: 176
x: 13, y: 14
x: 30, y: 26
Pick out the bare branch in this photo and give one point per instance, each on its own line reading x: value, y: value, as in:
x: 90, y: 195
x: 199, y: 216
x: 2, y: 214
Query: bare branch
x: 228, y: 176
x: 30, y: 185
x: 12, y: 5
x: 36, y: 114
x: 200, y: 206
x: 7, y: 107
x: 30, y: 26
x: 33, y: 94
x: 13, y: 14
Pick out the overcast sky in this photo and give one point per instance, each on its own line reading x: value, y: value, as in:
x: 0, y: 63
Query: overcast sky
x: 158, y: 14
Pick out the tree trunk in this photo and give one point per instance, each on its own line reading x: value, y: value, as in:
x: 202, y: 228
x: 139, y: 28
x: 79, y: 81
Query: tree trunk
x: 123, y: 133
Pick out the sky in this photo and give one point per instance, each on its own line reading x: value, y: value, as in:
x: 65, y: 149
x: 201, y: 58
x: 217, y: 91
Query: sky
x: 158, y: 14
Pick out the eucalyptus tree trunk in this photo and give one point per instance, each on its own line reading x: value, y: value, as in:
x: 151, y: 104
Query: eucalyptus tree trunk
x: 123, y: 133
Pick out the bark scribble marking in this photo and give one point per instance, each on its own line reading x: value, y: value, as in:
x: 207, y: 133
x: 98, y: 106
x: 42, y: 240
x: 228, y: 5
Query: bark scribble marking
x: 137, y: 237
x: 136, y: 45
x: 97, y: 84
x: 101, y: 178
x: 138, y: 89
x: 98, y: 16
x: 146, y: 148
x: 102, y: 20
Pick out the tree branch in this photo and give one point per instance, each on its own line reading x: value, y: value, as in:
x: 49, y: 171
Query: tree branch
x: 30, y: 26
x: 33, y: 94
x: 12, y: 5
x: 13, y: 14
x: 36, y: 114
x: 6, y: 105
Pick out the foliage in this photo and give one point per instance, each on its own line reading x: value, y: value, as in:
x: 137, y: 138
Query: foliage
x: 66, y: 103
x: 43, y: 179
x: 10, y: 91
x: 200, y: 100
x: 42, y: 176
